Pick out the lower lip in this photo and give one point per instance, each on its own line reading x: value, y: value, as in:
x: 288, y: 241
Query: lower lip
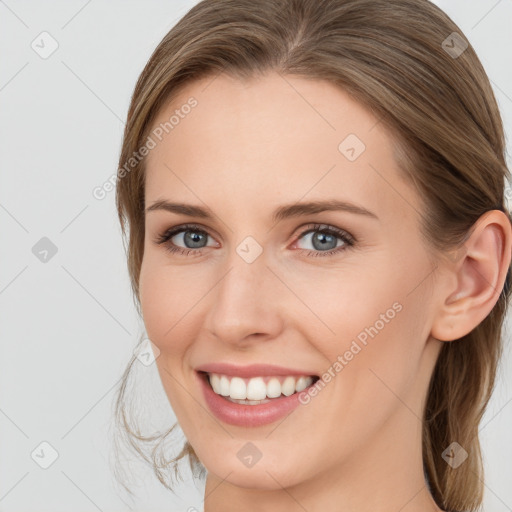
x: 247, y: 415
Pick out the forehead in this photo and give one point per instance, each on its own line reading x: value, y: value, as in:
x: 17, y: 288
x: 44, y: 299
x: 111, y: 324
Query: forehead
x: 271, y: 139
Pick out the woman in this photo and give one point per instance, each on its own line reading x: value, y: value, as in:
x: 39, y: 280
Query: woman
x: 260, y: 136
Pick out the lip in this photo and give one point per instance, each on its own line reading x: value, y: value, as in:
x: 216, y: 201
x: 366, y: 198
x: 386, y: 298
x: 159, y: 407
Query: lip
x: 253, y: 370
x: 243, y: 415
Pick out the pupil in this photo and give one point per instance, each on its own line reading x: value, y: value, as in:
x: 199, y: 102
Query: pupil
x: 195, y: 238
x: 323, y: 238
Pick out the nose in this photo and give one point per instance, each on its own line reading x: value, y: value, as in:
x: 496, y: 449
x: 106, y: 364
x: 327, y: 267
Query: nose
x: 246, y: 304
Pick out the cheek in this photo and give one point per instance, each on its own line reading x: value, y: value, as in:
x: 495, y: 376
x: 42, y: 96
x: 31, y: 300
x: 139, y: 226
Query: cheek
x: 369, y: 380
x: 368, y: 321
x: 346, y: 302
x: 158, y: 304
x: 170, y: 300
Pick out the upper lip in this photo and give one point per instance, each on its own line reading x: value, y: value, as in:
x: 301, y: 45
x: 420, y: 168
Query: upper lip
x: 252, y: 370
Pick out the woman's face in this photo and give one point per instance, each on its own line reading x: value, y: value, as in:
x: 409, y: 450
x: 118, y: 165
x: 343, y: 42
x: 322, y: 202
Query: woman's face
x: 353, y: 304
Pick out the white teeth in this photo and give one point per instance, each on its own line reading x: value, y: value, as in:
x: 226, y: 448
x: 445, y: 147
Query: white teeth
x: 224, y: 386
x: 215, y: 382
x: 288, y: 386
x: 256, y: 389
x: 237, y: 388
x: 252, y: 391
x: 301, y: 384
x: 273, y: 388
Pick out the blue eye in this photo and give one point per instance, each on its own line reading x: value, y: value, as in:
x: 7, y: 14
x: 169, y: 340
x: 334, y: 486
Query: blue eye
x: 192, y: 235
x: 324, y: 236
x: 194, y: 238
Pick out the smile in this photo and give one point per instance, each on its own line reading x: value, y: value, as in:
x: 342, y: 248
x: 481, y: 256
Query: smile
x: 251, y: 396
x: 258, y: 390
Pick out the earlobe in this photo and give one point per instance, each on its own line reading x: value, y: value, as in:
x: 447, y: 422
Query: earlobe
x: 480, y: 272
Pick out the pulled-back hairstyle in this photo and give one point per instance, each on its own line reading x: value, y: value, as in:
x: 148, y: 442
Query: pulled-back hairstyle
x: 401, y: 60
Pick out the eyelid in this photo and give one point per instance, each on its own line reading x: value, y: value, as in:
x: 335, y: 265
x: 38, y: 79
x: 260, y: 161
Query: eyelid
x: 321, y: 226
x: 169, y: 233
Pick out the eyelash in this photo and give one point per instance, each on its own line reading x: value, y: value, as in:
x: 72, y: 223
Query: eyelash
x: 347, y: 239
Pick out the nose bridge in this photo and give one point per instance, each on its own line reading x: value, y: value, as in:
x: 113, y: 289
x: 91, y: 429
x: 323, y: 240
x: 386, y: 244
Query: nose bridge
x: 244, y: 300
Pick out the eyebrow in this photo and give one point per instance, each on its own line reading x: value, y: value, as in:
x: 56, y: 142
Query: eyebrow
x: 281, y: 213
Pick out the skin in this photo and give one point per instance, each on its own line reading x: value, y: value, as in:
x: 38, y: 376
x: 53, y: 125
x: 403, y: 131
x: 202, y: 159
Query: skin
x: 245, y: 149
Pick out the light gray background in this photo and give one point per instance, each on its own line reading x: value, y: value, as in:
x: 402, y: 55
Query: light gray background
x: 68, y: 326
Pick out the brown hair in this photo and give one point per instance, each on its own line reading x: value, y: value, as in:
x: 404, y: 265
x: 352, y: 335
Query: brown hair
x: 399, y: 59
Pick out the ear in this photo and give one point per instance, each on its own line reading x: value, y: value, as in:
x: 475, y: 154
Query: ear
x: 476, y: 275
